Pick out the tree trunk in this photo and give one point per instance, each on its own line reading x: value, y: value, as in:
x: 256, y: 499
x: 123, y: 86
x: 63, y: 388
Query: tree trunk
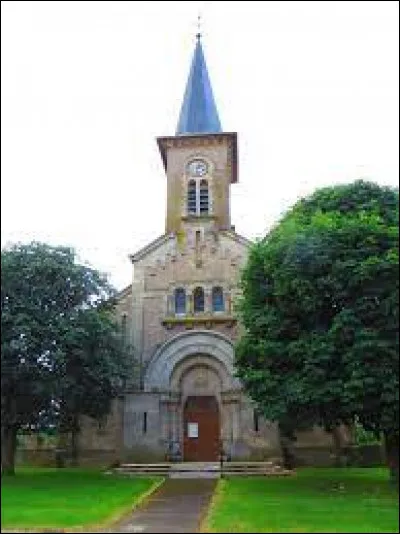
x: 338, y: 446
x: 391, y: 441
x: 74, y: 441
x: 61, y: 449
x: 8, y: 448
x: 286, y: 441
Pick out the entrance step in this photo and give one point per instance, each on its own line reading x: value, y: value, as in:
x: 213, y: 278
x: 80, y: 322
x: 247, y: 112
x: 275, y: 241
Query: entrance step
x: 203, y: 469
x: 143, y: 469
x: 195, y: 470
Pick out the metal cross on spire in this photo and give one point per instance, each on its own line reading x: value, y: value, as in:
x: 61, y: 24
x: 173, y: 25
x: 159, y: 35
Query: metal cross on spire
x: 198, y: 34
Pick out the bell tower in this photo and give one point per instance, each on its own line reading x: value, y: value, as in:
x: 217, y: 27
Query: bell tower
x: 200, y: 160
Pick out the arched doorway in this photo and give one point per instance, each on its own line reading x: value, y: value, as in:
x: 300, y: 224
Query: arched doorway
x: 201, y: 432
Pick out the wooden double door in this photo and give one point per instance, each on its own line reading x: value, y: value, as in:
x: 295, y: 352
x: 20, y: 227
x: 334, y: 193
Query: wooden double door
x: 201, y: 433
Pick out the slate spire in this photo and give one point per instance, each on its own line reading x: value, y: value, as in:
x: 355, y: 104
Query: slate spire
x: 198, y: 112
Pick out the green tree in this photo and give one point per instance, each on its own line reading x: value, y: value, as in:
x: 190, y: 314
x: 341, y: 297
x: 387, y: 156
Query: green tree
x: 56, y: 336
x: 93, y: 371
x: 320, y: 314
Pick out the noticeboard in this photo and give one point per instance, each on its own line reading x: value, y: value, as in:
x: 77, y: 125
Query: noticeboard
x: 193, y: 430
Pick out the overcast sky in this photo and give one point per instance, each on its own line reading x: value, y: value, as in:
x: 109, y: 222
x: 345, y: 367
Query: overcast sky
x: 312, y: 88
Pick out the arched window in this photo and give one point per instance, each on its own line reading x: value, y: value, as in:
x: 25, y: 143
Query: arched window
x: 192, y: 198
x: 198, y: 299
x: 256, y: 421
x: 203, y: 197
x: 218, y: 299
x: 180, y: 300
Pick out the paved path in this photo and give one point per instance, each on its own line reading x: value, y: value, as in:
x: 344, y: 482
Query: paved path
x: 177, y: 506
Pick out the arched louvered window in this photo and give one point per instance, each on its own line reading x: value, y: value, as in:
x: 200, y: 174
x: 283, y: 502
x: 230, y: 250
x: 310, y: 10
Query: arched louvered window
x: 192, y: 198
x: 218, y: 299
x: 198, y: 198
x: 198, y: 299
x: 180, y: 300
x: 203, y: 197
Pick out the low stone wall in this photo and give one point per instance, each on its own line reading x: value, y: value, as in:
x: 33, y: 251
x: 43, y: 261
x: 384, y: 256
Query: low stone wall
x: 367, y: 455
x: 354, y: 455
x: 48, y: 458
x: 141, y: 455
x: 42, y: 457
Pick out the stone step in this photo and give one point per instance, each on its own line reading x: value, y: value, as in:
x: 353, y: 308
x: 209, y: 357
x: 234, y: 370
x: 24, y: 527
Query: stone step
x: 240, y: 467
x: 144, y: 467
x: 269, y: 472
x: 195, y: 466
x: 126, y: 470
x: 144, y: 471
x: 203, y: 469
x: 235, y: 463
x: 163, y: 464
x: 194, y: 474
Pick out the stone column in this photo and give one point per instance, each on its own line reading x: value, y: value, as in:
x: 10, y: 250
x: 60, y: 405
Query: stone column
x: 226, y: 421
x: 235, y: 420
x: 228, y: 299
x: 170, y: 305
x: 231, y: 428
x: 165, y: 419
x: 174, y: 426
x: 208, y: 301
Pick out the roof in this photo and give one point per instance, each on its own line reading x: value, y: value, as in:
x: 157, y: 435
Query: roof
x: 124, y: 292
x: 198, y: 112
x: 153, y: 245
x: 237, y: 237
x: 161, y: 240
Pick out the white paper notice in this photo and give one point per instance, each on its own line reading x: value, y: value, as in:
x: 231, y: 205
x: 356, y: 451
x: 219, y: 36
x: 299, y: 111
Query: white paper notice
x: 193, y: 430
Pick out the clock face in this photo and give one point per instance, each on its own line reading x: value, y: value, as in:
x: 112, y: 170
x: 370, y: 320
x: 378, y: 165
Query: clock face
x: 197, y: 167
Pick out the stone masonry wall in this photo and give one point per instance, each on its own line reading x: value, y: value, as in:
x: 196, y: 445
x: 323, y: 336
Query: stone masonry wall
x: 220, y: 264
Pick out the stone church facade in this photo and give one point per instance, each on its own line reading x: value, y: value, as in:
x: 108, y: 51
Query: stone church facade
x: 183, y: 401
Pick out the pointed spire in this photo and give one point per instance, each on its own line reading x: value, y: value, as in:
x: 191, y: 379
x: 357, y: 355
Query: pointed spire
x: 198, y: 113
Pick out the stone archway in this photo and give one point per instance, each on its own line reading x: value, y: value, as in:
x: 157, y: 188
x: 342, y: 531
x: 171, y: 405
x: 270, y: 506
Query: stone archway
x: 181, y: 347
x: 194, y: 364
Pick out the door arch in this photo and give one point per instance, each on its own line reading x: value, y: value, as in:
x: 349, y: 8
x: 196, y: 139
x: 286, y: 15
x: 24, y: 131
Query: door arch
x: 201, y: 429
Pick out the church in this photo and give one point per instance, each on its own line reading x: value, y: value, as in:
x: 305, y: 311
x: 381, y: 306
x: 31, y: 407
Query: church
x: 183, y: 402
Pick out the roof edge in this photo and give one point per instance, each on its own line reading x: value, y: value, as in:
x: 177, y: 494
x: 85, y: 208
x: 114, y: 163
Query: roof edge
x: 238, y: 237
x: 141, y: 253
x: 123, y: 292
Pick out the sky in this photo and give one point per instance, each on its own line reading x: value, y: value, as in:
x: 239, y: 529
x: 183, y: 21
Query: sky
x: 311, y: 88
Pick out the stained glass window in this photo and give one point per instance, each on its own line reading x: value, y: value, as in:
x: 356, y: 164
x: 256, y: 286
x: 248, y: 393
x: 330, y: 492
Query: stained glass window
x: 218, y: 299
x: 180, y: 300
x: 198, y: 299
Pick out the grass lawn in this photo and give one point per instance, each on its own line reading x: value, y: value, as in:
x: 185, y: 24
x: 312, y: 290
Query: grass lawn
x: 313, y: 500
x: 71, y: 497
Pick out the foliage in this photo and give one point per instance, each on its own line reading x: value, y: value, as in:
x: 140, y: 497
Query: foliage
x: 362, y: 436
x: 313, y: 500
x: 67, y: 498
x: 61, y: 353
x: 320, y: 311
x: 94, y: 369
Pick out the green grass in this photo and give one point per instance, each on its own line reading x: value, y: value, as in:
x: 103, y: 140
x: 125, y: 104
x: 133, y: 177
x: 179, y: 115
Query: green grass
x: 71, y: 497
x: 313, y: 500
